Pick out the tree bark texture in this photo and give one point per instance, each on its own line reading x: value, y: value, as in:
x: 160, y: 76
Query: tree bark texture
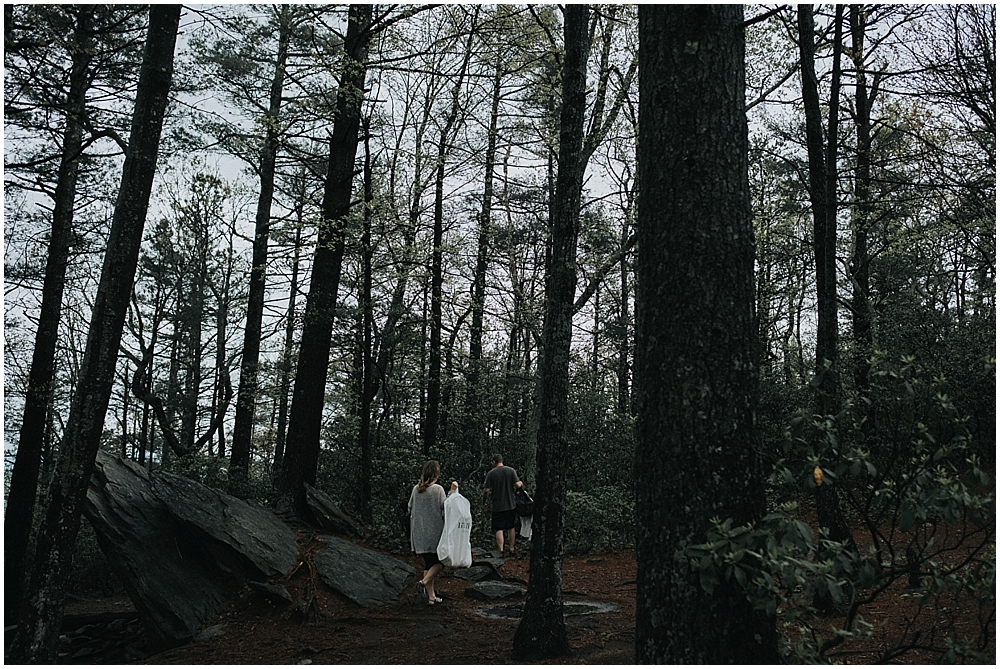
x: 19, y: 514
x: 246, y: 396
x: 37, y: 635
x: 696, y: 374
x: 542, y: 630
x: 309, y: 392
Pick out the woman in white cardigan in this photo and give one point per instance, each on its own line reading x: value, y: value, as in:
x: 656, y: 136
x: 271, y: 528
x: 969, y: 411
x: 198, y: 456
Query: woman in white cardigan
x: 426, y: 507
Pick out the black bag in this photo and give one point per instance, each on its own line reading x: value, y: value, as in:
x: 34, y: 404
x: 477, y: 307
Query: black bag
x: 523, y: 504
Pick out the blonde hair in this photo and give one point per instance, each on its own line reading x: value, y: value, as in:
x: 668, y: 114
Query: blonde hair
x: 429, y: 474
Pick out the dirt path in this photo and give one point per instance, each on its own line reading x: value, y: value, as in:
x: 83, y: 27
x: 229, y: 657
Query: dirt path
x: 412, y: 632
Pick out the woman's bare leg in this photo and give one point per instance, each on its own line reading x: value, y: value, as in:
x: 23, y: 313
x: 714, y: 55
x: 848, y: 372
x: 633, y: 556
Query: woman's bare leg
x: 429, y: 579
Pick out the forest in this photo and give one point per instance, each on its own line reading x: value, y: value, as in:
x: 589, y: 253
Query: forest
x: 717, y: 281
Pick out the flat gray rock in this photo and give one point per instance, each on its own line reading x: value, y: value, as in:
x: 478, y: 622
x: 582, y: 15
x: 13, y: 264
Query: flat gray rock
x: 478, y: 572
x: 364, y: 576
x: 494, y: 591
x: 494, y: 562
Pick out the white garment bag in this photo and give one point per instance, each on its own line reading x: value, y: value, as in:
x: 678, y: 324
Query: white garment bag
x: 525, y: 527
x: 455, y: 547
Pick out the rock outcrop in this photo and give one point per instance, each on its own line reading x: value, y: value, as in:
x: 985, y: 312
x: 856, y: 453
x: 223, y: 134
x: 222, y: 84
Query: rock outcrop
x: 184, y: 551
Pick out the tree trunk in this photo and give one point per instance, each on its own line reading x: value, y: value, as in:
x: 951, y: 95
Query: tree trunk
x: 37, y: 637
x: 194, y: 311
x: 431, y: 419
x: 174, y: 373
x: 823, y: 208
x: 861, y: 309
x: 624, y: 403
x: 368, y: 384
x: 124, y: 423
x: 246, y: 396
x: 309, y: 393
x: 542, y: 630
x: 19, y: 513
x: 595, y: 345
x: 284, y: 383
x: 422, y: 378
x: 827, y: 326
x: 434, y: 346
x: 146, y: 439
x: 475, y: 434
x: 220, y: 400
x: 144, y: 442
x: 823, y: 197
x: 696, y: 379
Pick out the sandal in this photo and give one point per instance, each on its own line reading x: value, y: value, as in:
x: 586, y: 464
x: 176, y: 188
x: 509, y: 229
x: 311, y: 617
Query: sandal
x: 421, y: 590
x: 437, y: 600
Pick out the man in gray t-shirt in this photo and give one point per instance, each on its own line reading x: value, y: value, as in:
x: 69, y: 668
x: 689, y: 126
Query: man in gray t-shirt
x: 499, y: 489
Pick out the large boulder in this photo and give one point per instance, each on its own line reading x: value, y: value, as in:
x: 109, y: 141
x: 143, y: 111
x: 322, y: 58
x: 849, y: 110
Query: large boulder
x: 181, y: 549
x: 244, y: 536
x: 364, y: 576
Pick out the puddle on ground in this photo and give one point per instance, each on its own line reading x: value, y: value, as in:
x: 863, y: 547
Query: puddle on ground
x: 569, y: 609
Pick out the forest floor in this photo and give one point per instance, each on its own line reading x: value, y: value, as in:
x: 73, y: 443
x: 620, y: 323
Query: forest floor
x: 411, y: 631
x: 455, y: 632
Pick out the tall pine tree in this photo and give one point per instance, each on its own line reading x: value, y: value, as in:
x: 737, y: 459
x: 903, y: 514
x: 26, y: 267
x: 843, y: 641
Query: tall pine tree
x: 696, y: 371
x: 37, y: 635
x: 542, y: 631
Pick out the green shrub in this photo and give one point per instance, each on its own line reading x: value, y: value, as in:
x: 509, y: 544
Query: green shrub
x: 599, y: 520
x: 203, y: 468
x: 902, y: 462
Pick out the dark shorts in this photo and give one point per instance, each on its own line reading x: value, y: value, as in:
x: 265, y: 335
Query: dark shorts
x: 430, y: 559
x: 504, y: 520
